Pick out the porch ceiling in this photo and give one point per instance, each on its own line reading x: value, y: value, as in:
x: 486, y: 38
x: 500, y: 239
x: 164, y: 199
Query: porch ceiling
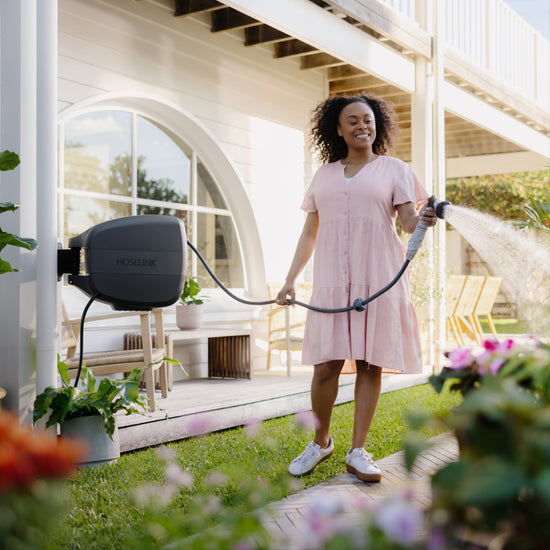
x: 462, y: 137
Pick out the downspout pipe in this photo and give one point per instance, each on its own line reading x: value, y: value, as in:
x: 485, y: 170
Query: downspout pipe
x: 46, y: 215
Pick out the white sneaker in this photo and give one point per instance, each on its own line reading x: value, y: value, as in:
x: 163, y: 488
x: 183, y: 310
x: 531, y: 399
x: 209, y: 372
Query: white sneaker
x: 311, y: 456
x: 360, y: 463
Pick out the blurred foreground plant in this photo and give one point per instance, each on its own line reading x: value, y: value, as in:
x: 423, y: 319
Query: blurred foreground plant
x: 31, y: 497
x: 501, y: 481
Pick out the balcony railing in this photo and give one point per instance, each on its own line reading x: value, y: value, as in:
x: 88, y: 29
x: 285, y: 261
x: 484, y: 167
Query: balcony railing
x: 493, y: 36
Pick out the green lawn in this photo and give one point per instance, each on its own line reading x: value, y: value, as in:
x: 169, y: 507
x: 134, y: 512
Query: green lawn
x: 101, y: 513
x: 504, y: 326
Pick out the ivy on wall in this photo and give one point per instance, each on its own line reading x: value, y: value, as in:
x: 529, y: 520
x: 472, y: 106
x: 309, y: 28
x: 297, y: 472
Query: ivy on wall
x: 501, y: 195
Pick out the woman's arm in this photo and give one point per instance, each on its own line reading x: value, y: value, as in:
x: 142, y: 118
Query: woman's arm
x: 304, y: 250
x: 409, y: 218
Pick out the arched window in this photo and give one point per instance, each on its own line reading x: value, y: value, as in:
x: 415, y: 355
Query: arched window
x: 117, y: 163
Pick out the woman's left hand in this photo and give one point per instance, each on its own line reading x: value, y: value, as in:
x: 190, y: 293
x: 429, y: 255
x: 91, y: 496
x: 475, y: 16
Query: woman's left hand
x: 427, y: 216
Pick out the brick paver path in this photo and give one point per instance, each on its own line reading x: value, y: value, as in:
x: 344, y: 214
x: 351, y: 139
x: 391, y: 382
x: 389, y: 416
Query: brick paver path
x: 285, y: 520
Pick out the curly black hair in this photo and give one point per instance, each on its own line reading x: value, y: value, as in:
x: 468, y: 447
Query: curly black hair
x: 324, y: 137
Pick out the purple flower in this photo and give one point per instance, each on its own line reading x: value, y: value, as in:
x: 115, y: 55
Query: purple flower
x: 400, y: 520
x: 460, y: 358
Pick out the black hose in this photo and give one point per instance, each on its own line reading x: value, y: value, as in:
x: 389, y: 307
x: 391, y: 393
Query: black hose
x: 82, y: 318
x: 358, y: 305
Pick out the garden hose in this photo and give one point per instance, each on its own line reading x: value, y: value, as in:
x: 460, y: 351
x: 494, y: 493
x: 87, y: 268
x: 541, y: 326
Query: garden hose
x: 358, y: 305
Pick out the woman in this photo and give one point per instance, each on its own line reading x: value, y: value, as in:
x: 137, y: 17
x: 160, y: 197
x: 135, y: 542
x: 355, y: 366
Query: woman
x: 351, y: 206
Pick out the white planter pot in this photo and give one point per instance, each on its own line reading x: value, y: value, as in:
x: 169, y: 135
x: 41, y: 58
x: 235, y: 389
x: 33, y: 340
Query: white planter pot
x: 90, y: 429
x: 189, y: 316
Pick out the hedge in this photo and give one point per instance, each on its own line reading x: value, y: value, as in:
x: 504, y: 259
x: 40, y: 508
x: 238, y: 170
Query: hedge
x: 501, y: 195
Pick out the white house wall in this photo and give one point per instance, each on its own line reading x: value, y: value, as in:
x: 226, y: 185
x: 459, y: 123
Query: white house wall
x: 257, y: 108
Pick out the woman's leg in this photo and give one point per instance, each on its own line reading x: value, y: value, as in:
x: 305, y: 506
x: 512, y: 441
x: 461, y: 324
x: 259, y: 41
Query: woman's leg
x: 367, y: 392
x: 324, y: 390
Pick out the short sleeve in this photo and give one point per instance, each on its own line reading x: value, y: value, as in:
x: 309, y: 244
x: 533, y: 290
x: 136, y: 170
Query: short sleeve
x: 408, y: 188
x: 309, y: 204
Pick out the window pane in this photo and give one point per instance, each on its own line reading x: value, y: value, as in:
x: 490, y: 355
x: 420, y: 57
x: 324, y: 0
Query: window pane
x: 218, y: 244
x: 98, y: 153
x: 208, y: 193
x: 81, y: 213
x: 163, y: 166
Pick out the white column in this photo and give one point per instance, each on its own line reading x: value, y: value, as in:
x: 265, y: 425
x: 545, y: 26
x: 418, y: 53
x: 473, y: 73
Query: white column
x: 439, y: 173
x: 422, y: 161
x: 18, y: 134
x: 46, y: 284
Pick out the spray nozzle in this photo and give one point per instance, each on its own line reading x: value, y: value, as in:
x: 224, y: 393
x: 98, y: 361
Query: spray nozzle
x: 438, y: 206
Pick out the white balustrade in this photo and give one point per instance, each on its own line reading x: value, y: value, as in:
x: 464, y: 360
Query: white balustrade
x: 492, y: 35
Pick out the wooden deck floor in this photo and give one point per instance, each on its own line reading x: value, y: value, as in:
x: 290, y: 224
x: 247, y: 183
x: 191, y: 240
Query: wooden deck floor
x: 195, y: 407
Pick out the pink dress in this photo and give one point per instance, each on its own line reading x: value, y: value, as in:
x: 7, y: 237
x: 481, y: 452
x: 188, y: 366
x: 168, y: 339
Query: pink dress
x: 357, y: 253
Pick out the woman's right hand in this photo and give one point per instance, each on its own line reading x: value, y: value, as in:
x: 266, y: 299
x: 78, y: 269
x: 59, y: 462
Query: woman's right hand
x: 288, y: 292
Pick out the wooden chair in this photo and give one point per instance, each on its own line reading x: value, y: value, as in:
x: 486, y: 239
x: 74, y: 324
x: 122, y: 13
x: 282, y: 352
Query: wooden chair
x: 453, y: 290
x: 120, y: 361
x: 287, y: 323
x: 485, y: 304
x: 465, y: 307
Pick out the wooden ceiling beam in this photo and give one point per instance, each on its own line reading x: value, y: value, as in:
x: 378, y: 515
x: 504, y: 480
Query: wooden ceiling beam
x: 292, y: 48
x: 229, y: 19
x: 320, y: 60
x: 189, y: 7
x: 354, y: 83
x: 263, y: 34
x: 346, y: 71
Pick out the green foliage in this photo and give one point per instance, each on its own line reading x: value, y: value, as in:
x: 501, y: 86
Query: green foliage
x: 538, y: 213
x: 10, y: 161
x: 105, y: 399
x: 190, y: 294
x: 501, y: 195
x: 501, y: 481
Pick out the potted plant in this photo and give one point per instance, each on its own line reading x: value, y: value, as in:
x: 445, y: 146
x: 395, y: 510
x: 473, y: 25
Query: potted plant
x: 89, y: 413
x: 10, y: 161
x: 189, y: 309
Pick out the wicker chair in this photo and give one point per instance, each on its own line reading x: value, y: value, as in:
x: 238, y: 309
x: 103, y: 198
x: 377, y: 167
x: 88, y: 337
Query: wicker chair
x: 120, y: 361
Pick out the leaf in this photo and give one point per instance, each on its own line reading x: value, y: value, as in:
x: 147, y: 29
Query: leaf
x: 14, y: 240
x: 414, y: 445
x: 5, y: 267
x: 63, y: 371
x: 9, y: 160
x: 8, y: 207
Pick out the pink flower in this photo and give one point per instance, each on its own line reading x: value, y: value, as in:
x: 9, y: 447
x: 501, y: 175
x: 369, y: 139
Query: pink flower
x: 490, y: 344
x: 460, y: 358
x: 400, y: 520
x: 307, y: 420
x: 495, y: 364
x: 199, y: 424
x: 252, y: 428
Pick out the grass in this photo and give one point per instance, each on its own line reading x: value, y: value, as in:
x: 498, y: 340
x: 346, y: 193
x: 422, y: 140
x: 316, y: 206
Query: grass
x: 101, y: 514
x: 505, y: 326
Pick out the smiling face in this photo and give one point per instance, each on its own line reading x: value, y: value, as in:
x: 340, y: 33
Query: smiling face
x: 357, y: 125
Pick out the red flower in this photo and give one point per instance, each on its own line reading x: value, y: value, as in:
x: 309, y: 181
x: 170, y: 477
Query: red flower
x: 27, y: 455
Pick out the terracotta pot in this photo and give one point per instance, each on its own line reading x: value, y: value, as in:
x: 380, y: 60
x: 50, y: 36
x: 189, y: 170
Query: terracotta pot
x: 189, y: 316
x: 91, y: 429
